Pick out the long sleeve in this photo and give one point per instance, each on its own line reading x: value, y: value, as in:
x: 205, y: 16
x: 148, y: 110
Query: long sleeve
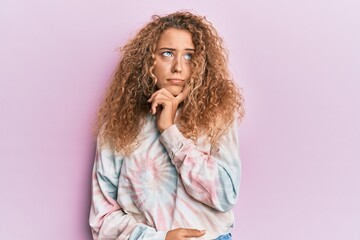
x: 107, y: 218
x: 212, y: 178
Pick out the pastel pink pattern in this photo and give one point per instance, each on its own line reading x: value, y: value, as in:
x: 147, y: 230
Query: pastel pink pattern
x: 168, y: 182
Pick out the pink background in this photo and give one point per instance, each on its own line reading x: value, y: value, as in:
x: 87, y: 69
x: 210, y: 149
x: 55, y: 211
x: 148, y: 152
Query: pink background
x: 298, y: 63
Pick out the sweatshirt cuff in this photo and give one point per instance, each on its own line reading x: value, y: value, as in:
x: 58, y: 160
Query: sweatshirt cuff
x: 173, y: 140
x: 159, y: 235
x: 147, y: 233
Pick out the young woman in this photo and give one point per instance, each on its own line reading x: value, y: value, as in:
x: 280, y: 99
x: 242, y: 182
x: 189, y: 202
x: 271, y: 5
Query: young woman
x: 167, y: 164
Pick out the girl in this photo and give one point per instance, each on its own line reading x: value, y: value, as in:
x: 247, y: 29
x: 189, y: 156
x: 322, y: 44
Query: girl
x: 167, y: 163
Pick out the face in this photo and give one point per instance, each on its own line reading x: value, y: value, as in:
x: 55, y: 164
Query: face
x: 173, y: 55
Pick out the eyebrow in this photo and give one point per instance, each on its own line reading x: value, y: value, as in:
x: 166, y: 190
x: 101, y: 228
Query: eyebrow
x: 173, y: 49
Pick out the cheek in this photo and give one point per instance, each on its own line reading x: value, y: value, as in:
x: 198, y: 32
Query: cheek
x: 189, y: 69
x: 159, y: 70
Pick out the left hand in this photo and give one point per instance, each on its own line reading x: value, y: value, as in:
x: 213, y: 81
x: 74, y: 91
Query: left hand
x: 164, y: 105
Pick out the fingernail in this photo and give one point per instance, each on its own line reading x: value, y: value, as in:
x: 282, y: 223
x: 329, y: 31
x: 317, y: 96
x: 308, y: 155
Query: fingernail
x: 203, y: 231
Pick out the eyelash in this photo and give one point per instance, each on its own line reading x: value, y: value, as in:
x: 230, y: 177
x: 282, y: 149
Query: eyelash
x: 190, y: 56
x: 165, y: 54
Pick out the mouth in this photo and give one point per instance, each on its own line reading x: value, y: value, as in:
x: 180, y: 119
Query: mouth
x: 176, y: 81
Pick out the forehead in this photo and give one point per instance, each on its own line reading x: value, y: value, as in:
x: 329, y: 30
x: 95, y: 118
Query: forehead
x: 173, y: 37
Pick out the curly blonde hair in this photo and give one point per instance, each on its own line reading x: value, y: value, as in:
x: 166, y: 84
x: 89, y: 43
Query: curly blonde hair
x: 208, y: 109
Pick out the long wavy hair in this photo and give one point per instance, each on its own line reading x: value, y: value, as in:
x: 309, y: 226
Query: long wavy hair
x: 208, y: 109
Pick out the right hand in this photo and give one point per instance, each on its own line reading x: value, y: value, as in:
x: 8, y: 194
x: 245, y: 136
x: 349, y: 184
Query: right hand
x: 183, y: 234
x: 164, y: 104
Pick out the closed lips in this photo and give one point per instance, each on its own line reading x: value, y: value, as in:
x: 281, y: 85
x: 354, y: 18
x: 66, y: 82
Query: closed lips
x: 175, y: 80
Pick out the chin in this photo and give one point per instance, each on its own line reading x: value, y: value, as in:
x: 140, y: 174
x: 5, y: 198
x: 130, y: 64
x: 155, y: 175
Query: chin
x: 175, y: 91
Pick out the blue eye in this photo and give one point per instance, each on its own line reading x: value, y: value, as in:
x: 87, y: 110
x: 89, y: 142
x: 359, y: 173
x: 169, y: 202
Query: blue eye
x: 188, y: 56
x: 167, y: 54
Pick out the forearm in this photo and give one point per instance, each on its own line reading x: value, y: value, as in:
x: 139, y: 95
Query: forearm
x: 211, y: 177
x: 124, y: 227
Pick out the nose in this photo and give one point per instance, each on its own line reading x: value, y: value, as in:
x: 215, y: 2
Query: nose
x: 177, y: 65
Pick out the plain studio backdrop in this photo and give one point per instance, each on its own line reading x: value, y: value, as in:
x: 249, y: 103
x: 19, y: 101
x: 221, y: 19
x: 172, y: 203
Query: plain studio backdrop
x: 298, y: 63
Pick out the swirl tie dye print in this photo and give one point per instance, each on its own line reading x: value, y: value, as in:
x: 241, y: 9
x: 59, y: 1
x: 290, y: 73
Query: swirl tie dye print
x: 167, y: 182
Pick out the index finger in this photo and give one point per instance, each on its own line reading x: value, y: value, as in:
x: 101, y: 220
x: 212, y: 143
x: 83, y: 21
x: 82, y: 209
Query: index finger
x: 183, y: 94
x: 187, y: 232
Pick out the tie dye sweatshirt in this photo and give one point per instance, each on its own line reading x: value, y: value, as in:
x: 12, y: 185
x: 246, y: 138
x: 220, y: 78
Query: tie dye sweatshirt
x: 167, y: 182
